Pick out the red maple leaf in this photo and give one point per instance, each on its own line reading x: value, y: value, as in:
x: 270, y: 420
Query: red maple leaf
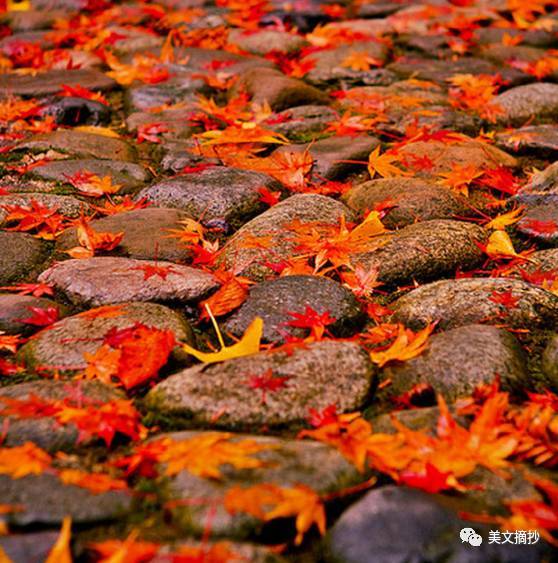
x: 432, y: 480
x: 312, y: 320
x: 41, y: 317
x: 150, y: 131
x: 268, y: 197
x: 500, y: 179
x: 150, y: 270
x: 326, y: 416
x: 267, y: 382
x: 540, y: 227
x: 505, y: 298
x: 420, y: 395
x: 34, y: 289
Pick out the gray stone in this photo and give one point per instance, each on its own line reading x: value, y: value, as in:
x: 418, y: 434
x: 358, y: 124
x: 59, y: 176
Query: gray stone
x: 64, y: 343
x: 126, y: 174
x: 274, y: 300
x: 317, y: 375
x: 175, y: 90
x: 542, y: 188
x: 64, y: 205
x: 329, y: 64
x: 175, y: 123
x: 465, y: 301
x: 14, y: 308
x: 23, y: 548
x: 304, y: 207
x: 279, y: 91
x: 458, y: 360
x: 105, y: 280
x: 398, y: 525
x: 263, y: 41
x: 330, y: 154
x: 21, y: 257
x: 302, y: 122
x: 46, y: 500
x: 45, y: 431
x: 287, y: 463
x: 86, y: 145
x: 44, y: 84
x: 147, y: 234
x: 217, y: 192
x: 540, y: 223
x: 413, y: 199
x: 539, y: 139
x: 532, y: 101
x: 425, y: 251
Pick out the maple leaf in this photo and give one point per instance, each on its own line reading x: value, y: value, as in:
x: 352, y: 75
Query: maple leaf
x: 430, y: 479
x: 360, y: 61
x: 34, y: 289
x: 150, y: 270
x: 60, y: 551
x: 505, y: 298
x: 128, y: 551
x: 20, y: 461
x: 9, y: 342
x: 203, y: 455
x: 268, y: 197
x: 78, y: 91
x: 406, y: 345
x: 382, y: 165
x: 500, y: 246
x: 41, y: 316
x: 268, y: 502
x: 312, y: 320
x: 124, y: 205
x: 150, y: 132
x: 247, y: 132
x: 505, y: 219
x: 103, y: 364
x: 95, y: 482
x: 268, y: 383
x: 249, y: 344
x: 92, y: 185
x: 91, y: 240
x: 147, y: 69
x: 232, y: 293
x: 460, y: 177
x: 540, y: 227
x: 46, y: 222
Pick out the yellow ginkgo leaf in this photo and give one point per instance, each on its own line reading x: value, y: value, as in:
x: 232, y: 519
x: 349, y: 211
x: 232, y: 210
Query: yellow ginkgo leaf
x: 60, y: 552
x: 104, y: 131
x: 249, y: 344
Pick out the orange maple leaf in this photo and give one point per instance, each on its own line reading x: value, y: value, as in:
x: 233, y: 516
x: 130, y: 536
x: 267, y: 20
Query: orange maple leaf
x: 382, y: 165
x: 95, y: 482
x: 407, y: 345
x: 20, y: 461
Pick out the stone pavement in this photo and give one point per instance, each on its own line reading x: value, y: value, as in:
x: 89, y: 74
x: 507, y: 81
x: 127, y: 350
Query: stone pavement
x: 278, y: 280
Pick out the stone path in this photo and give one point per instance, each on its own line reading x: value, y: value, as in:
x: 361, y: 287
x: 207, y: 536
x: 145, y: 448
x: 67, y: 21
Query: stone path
x: 278, y: 281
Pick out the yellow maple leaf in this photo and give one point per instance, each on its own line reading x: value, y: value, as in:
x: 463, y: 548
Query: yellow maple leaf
x: 382, y: 165
x: 60, y: 552
x: 460, y: 177
x: 249, y: 343
x: 360, y: 60
x: 504, y: 220
x: 500, y: 246
x: 203, y: 455
x: 95, y: 186
x: 20, y: 461
x: 18, y: 5
x: 406, y: 345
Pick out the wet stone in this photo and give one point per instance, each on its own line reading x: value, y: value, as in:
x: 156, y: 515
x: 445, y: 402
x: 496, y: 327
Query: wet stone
x: 106, y: 280
x: 540, y: 223
x: 329, y: 154
x: 425, y: 251
x: 86, y: 145
x: 532, y: 101
x: 15, y: 308
x: 413, y: 199
x: 217, y: 192
x: 397, y: 524
x: 273, y: 301
x: 279, y: 91
x: 458, y: 360
x: 47, y: 83
x: 46, y: 500
x: 21, y: 257
x: 312, y: 377
x: 269, y: 226
x: 46, y: 432
x: 287, y: 463
x: 64, y: 343
x: 64, y: 205
x: 541, y: 140
x: 146, y: 234
x: 465, y: 301
x: 332, y: 65
x: 126, y: 174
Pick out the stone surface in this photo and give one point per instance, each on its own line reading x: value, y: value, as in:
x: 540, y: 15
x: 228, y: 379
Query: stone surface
x: 539, y: 139
x: 329, y: 154
x: 458, y: 360
x: 49, y: 82
x: 15, y: 308
x: 147, y: 234
x: 264, y: 41
x: 287, y: 463
x: 46, y: 432
x: 542, y: 188
x: 398, y: 524
x: 73, y: 111
x: 269, y: 227
x: 106, y: 280
x: 465, y: 301
x: 302, y: 122
x: 273, y: 301
x: 23, y: 548
x: 221, y: 395
x: 413, y: 199
x: 540, y: 223
x: 214, y: 193
x: 64, y: 343
x: 46, y: 500
x: 527, y: 102
x: 425, y: 251
x: 21, y: 257
x: 279, y: 91
x: 126, y: 174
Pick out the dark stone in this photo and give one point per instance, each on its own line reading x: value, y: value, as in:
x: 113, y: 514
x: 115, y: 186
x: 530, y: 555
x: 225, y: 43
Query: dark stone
x: 77, y: 111
x: 21, y: 257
